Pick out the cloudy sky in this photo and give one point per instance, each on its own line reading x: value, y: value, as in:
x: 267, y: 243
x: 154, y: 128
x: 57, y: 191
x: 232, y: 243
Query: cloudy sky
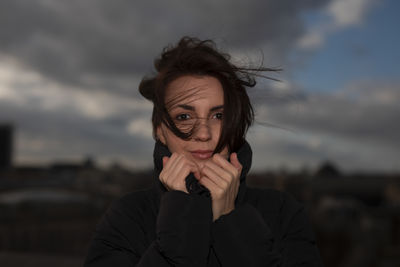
x: 69, y: 72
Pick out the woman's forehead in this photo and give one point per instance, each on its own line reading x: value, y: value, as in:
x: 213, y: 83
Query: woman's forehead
x: 189, y: 89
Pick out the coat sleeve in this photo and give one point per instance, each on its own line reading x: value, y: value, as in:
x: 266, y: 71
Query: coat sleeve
x: 182, y: 234
x: 243, y: 238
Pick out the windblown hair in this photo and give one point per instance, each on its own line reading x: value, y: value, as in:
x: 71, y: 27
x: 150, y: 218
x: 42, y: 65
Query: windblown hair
x: 192, y: 56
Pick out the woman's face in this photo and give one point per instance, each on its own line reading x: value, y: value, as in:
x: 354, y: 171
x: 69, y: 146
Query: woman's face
x: 194, y: 100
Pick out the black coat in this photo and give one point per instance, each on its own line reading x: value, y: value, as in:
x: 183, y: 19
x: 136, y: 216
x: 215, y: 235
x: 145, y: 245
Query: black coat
x: 172, y: 228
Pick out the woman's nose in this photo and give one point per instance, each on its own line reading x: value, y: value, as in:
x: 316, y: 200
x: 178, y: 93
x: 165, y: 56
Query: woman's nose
x: 202, y: 131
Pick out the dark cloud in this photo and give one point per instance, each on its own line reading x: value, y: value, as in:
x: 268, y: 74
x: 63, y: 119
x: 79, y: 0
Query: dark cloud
x: 71, y: 40
x: 44, y: 136
x: 364, y: 113
x: 356, y: 128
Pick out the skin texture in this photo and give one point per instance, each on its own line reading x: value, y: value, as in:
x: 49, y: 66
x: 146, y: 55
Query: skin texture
x: 199, y: 99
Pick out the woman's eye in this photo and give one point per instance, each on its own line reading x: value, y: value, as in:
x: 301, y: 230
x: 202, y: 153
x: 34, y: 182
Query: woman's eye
x: 182, y: 117
x: 218, y: 116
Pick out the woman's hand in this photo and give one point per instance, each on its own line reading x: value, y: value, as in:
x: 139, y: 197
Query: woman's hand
x: 175, y: 170
x: 222, y: 179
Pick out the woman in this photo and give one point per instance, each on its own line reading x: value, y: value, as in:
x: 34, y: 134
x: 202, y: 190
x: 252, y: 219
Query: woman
x: 200, y: 211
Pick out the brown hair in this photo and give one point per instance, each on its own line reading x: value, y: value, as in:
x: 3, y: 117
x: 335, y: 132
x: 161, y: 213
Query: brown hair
x: 192, y: 56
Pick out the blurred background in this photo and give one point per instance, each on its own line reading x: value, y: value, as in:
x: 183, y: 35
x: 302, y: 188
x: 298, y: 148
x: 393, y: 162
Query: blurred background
x: 75, y: 134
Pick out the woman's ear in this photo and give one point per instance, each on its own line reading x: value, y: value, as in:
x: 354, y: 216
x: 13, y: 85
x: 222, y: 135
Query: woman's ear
x: 160, y: 135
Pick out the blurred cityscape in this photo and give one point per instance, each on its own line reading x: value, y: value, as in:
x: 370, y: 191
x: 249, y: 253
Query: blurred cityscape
x: 48, y: 214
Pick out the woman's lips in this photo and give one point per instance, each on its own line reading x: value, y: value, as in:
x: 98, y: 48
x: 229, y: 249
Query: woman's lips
x: 202, y: 154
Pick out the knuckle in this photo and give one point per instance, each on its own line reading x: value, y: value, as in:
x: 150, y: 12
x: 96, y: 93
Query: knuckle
x: 185, y: 168
x: 175, y: 185
x: 227, y: 178
x: 219, y: 192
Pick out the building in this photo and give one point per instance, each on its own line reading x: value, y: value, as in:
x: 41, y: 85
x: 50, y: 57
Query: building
x: 6, y: 145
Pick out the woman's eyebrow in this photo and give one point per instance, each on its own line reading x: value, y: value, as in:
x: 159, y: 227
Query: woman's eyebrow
x: 217, y: 108
x: 187, y: 107
x: 191, y: 108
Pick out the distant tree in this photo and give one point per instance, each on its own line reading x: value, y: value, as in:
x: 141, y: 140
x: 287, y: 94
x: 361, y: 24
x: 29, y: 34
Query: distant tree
x: 327, y: 169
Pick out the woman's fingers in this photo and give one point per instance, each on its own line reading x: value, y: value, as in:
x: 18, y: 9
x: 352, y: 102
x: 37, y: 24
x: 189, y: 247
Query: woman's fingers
x: 220, y: 172
x: 197, y: 174
x: 215, y: 190
x: 176, y: 174
x: 216, y: 174
x: 221, y: 177
x: 171, y: 164
x: 226, y: 165
x: 175, y: 170
x: 181, y: 169
x: 235, y: 161
x: 165, y: 160
x: 224, y: 169
x: 168, y: 164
